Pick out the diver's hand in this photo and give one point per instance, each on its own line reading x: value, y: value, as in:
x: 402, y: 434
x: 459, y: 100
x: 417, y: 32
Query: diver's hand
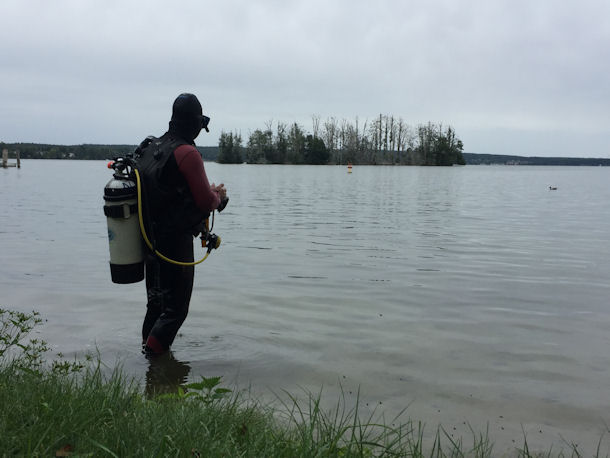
x: 220, y: 189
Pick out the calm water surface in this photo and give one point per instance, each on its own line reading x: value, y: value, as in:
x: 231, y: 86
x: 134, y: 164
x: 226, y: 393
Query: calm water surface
x: 469, y: 294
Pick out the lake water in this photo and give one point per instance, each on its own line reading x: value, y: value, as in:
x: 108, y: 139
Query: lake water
x: 473, y: 295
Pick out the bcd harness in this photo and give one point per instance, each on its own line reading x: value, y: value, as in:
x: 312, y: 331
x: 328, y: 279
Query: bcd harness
x: 164, y: 202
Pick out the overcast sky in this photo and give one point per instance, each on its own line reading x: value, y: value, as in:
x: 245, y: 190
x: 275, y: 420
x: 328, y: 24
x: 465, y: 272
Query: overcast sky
x: 512, y: 77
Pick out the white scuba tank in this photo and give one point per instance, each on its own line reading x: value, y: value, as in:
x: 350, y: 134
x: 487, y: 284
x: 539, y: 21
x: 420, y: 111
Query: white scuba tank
x: 124, y: 238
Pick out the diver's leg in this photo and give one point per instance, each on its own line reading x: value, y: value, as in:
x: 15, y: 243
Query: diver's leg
x: 176, y: 284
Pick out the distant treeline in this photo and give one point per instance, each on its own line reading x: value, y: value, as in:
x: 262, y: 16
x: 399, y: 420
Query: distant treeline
x: 385, y: 140
x: 87, y: 151
x: 211, y: 153
x: 491, y: 159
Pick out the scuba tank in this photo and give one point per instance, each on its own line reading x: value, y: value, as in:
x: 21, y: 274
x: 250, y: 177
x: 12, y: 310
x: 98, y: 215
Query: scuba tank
x: 128, y: 240
x: 125, y: 240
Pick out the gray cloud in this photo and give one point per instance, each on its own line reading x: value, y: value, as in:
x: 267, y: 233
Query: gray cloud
x: 511, y: 76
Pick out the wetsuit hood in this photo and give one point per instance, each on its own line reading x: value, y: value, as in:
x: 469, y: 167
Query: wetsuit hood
x: 187, y: 118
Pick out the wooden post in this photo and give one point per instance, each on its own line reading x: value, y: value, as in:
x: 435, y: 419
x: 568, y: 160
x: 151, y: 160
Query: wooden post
x: 5, y: 163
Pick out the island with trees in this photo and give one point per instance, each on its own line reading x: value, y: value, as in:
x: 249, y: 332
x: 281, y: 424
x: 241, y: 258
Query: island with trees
x: 386, y: 140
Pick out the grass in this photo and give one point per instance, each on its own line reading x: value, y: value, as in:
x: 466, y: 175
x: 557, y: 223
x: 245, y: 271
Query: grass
x: 73, y: 409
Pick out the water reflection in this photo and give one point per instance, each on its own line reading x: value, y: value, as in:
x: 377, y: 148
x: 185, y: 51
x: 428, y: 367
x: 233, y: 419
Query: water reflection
x: 165, y: 374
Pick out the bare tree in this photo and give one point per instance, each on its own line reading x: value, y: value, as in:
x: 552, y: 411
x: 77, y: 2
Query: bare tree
x: 363, y: 142
x: 281, y: 142
x: 400, y: 138
x: 269, y: 126
x: 329, y: 135
x: 392, y: 136
x: 374, y: 135
x: 380, y: 133
x: 315, y: 120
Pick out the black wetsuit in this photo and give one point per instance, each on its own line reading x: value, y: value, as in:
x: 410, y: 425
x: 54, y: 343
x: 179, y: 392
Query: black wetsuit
x: 171, y: 213
x: 168, y: 289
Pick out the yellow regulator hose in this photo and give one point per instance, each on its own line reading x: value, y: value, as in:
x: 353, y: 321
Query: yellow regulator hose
x: 165, y: 258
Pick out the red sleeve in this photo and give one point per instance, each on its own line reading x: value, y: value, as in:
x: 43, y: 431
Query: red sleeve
x: 190, y: 164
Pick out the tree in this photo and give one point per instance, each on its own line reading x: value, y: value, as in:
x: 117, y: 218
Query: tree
x: 436, y: 147
x: 229, y: 148
x: 258, y: 147
x: 315, y: 121
x: 269, y: 150
x: 329, y: 135
x: 295, y: 153
x: 315, y: 151
x: 450, y: 148
x: 281, y: 142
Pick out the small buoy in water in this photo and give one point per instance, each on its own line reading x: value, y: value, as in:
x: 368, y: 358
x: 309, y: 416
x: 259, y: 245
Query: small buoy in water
x: 349, y: 167
x: 552, y: 188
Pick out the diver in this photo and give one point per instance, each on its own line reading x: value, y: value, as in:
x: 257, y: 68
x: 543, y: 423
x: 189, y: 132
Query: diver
x: 177, y: 199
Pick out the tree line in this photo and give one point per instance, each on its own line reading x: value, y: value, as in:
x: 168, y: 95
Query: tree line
x: 497, y: 159
x: 211, y: 153
x: 385, y: 140
x: 85, y: 151
x: 46, y: 151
